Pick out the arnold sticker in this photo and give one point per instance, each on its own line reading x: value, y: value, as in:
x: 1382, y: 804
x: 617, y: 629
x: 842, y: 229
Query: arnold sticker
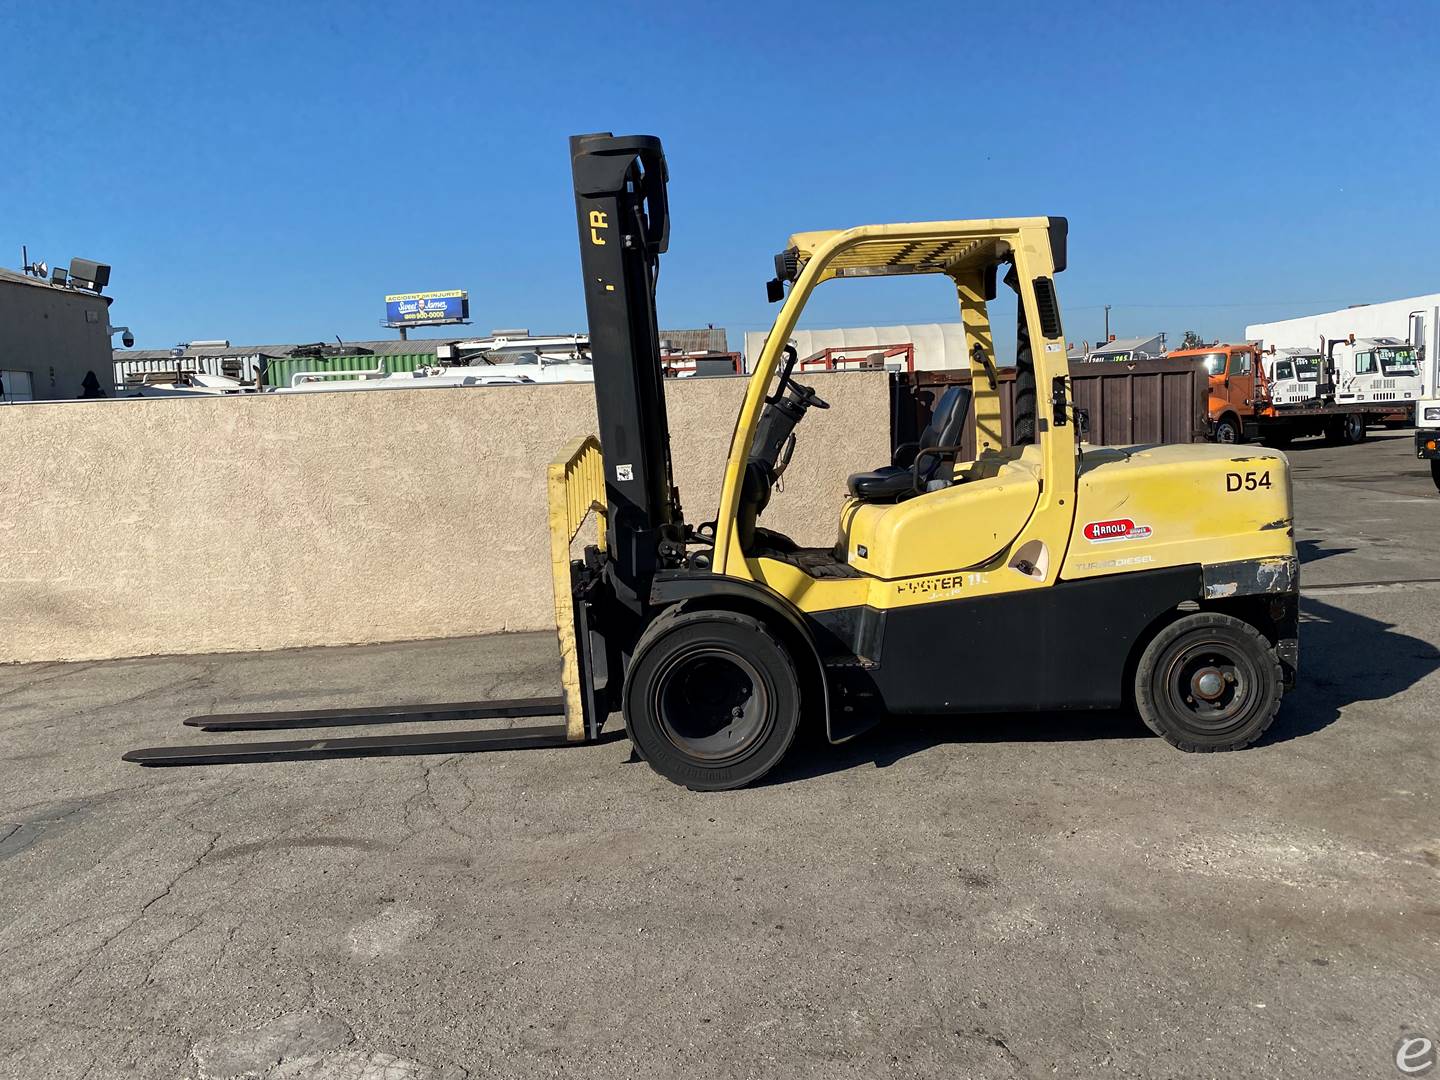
x: 1100, y: 532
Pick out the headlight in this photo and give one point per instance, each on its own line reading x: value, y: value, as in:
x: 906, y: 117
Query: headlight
x: 1432, y: 412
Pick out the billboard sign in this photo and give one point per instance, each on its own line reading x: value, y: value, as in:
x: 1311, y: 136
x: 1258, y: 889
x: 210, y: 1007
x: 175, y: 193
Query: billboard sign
x: 427, y: 308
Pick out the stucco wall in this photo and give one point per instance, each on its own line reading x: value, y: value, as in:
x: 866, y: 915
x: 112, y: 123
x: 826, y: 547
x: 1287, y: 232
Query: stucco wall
x: 134, y: 527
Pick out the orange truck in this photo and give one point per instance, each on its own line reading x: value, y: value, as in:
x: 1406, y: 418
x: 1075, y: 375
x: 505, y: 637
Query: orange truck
x: 1241, y: 407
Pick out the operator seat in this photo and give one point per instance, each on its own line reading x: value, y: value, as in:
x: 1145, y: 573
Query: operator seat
x: 895, y: 481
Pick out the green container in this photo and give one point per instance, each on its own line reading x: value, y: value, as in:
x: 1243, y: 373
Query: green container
x: 280, y: 372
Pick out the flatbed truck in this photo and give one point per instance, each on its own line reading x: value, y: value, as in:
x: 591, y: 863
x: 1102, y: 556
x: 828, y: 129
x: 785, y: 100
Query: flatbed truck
x: 1242, y: 407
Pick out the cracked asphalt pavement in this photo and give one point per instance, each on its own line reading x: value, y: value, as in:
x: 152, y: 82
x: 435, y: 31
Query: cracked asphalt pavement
x: 997, y: 897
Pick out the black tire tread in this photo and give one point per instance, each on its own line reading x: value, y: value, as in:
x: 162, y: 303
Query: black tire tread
x: 1144, y: 703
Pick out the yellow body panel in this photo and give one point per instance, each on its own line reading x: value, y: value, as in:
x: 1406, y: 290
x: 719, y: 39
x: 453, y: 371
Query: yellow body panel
x: 576, y: 487
x: 805, y: 592
x: 1142, y: 508
x: 952, y: 529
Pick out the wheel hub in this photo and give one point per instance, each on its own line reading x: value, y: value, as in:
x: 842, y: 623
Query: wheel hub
x: 712, y: 704
x: 1210, y: 684
x: 1207, y: 683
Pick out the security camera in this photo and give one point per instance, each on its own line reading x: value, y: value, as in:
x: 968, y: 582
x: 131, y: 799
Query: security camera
x: 127, y: 339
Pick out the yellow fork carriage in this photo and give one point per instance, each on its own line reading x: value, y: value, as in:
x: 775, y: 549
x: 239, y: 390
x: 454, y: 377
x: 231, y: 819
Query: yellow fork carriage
x: 1049, y: 574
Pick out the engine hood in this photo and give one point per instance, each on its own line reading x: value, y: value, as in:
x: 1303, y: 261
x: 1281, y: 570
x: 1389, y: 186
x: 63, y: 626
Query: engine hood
x: 1146, y: 507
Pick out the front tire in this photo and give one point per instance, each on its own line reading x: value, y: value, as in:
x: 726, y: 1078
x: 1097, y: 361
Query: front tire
x: 1208, y: 682
x: 712, y: 700
x: 1227, y: 430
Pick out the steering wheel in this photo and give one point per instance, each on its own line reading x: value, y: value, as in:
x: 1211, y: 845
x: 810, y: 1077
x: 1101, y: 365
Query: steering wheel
x: 806, y: 396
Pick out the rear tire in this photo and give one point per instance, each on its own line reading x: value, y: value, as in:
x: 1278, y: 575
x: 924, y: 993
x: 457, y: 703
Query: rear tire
x: 712, y: 701
x: 1435, y: 472
x: 1346, y: 430
x: 1208, y: 682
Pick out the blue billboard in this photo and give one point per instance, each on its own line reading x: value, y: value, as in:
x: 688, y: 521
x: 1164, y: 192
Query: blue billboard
x: 427, y: 308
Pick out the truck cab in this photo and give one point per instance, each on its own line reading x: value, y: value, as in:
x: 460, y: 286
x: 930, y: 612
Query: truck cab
x: 1379, y: 369
x: 1231, y: 369
x: 1292, y: 376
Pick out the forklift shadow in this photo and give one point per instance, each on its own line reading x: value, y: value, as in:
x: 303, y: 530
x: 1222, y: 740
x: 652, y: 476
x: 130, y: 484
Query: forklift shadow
x: 1344, y: 658
x: 1314, y: 550
x: 902, y: 736
x: 1320, y: 443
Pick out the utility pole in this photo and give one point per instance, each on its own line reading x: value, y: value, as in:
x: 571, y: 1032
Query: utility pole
x: 1107, y: 322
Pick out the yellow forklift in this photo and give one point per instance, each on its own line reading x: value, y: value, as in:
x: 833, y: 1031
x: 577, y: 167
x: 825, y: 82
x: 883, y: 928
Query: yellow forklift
x: 1044, y: 574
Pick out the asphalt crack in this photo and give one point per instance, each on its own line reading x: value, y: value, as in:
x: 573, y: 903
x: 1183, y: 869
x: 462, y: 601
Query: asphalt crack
x: 990, y: 1039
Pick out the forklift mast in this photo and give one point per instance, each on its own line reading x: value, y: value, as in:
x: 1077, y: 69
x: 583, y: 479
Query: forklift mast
x: 624, y: 221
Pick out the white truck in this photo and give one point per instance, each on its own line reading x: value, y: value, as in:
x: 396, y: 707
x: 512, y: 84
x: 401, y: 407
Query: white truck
x: 1425, y: 329
x: 1293, y: 375
x: 1368, y: 370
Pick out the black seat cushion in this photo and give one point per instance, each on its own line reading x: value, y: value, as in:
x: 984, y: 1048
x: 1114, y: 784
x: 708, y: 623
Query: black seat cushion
x: 886, y: 482
x: 891, y: 482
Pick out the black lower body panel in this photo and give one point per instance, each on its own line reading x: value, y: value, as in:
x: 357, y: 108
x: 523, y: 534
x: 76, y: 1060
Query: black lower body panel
x: 1063, y: 647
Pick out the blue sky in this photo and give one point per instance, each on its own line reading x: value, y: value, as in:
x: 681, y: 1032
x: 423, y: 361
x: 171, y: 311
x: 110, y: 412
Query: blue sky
x: 267, y: 172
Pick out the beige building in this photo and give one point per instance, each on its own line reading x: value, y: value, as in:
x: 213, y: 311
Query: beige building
x: 51, y: 338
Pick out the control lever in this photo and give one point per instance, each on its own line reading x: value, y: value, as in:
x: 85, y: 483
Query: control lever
x: 979, y: 353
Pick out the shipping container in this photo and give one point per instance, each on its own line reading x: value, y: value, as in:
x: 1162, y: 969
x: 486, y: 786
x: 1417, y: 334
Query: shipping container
x: 280, y: 372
